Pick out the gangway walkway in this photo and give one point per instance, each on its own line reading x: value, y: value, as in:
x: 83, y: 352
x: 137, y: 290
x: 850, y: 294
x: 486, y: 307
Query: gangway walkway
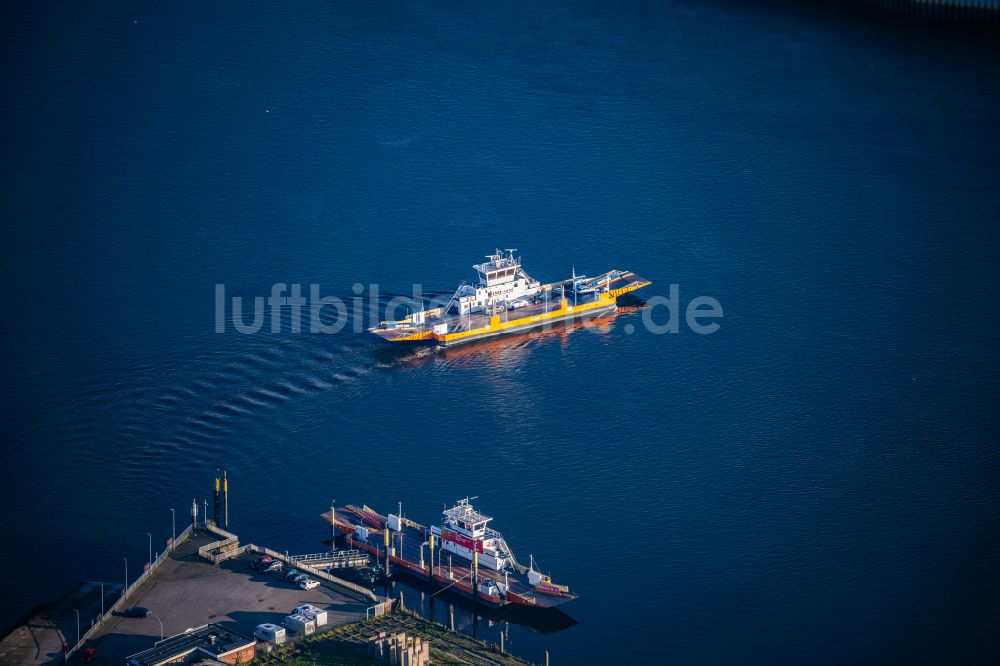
x: 338, y: 559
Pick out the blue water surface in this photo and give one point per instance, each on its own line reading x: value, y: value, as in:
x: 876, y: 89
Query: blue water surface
x: 816, y: 482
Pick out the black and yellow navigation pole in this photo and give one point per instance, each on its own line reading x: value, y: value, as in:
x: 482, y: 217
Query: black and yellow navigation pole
x: 385, y: 531
x: 475, y: 573
x: 215, y: 514
x: 430, y: 543
x: 225, y: 500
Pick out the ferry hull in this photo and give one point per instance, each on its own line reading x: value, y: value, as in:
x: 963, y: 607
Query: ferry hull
x: 529, y: 326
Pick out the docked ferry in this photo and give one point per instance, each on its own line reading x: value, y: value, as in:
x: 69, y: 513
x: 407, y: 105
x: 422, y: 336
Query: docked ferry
x: 505, y: 299
x: 462, y: 554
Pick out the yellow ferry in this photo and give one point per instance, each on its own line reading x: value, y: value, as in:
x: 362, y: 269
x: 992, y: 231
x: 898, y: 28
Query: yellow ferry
x: 505, y: 300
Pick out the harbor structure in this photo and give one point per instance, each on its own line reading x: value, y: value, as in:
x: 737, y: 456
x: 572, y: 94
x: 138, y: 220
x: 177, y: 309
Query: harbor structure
x: 463, y: 555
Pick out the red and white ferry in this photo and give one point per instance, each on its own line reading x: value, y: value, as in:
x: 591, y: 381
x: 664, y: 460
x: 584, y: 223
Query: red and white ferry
x: 463, y: 554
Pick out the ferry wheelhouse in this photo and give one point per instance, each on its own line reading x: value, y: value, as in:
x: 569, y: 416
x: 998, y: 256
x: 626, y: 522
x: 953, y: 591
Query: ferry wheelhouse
x: 464, y: 532
x: 502, y: 283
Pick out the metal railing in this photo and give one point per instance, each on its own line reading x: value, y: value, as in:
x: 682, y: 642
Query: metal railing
x: 505, y: 549
x: 335, y: 558
x: 218, y: 551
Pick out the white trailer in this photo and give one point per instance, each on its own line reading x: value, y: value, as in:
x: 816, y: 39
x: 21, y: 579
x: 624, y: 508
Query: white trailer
x: 272, y: 633
x: 317, y: 615
x: 300, y: 624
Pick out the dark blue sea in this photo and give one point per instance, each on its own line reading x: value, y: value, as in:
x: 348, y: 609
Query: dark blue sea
x: 815, y: 482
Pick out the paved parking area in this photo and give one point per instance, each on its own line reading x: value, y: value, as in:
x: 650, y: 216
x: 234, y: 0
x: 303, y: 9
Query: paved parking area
x: 187, y: 592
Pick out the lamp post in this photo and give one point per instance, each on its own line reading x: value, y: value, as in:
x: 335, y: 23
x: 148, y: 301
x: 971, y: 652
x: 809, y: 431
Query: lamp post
x: 333, y: 525
x: 150, y: 549
x: 77, y: 625
x: 126, y: 576
x: 173, y: 531
x: 160, y: 621
x: 102, y: 602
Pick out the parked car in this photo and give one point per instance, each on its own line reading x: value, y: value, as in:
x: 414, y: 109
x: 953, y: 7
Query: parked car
x: 272, y: 567
x: 297, y: 578
x: 89, y: 655
x: 261, y: 561
x: 136, y: 611
x: 308, y: 584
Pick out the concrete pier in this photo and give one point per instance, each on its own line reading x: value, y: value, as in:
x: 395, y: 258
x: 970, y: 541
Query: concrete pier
x: 185, y: 590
